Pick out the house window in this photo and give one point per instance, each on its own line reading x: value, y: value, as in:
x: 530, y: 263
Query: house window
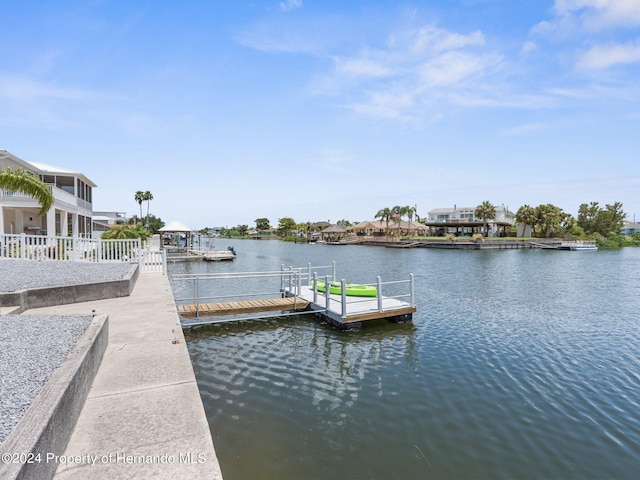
x: 66, y: 183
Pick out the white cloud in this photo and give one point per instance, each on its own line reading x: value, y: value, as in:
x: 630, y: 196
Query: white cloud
x: 360, y: 67
x: 528, y: 47
x: 592, y: 23
x: 454, y: 67
x: 24, y: 89
x: 604, y: 56
x: 596, y: 15
x: 571, y: 17
x: 524, y: 129
x: 387, y: 104
x: 434, y: 40
x: 413, y: 73
x: 289, y: 5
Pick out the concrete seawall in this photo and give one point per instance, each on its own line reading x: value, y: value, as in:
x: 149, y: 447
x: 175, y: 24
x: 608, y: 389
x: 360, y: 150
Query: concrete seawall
x: 143, y: 417
x: 60, y: 295
x: 48, y: 423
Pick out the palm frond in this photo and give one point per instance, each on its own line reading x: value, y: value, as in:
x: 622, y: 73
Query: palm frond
x: 19, y: 180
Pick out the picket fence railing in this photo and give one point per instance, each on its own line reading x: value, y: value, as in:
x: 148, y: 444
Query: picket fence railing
x: 78, y: 249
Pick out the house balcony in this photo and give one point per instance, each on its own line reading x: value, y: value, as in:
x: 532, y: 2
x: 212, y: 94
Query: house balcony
x: 17, y: 199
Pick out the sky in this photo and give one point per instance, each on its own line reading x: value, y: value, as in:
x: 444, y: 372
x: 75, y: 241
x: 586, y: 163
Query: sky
x: 323, y: 110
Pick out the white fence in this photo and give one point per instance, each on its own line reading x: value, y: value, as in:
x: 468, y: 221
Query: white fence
x: 40, y: 247
x: 153, y: 261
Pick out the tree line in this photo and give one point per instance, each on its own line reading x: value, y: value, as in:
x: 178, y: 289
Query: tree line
x: 547, y: 219
x: 544, y: 220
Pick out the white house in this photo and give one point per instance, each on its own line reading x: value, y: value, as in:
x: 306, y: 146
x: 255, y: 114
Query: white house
x: 462, y: 220
x: 466, y: 214
x: 104, y: 220
x: 72, y: 209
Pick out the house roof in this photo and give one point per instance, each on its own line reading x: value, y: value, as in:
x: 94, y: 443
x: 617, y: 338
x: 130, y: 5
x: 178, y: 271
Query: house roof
x: 44, y: 169
x: 175, y: 226
x: 334, y: 229
x: 376, y: 224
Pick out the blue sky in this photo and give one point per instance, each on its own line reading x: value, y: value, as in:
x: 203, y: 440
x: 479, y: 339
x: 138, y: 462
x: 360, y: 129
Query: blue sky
x: 228, y: 111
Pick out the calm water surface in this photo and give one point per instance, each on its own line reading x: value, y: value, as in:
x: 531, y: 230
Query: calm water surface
x: 519, y: 364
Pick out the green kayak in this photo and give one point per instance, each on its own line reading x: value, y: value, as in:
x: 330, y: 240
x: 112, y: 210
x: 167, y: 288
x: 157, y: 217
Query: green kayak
x: 351, y: 289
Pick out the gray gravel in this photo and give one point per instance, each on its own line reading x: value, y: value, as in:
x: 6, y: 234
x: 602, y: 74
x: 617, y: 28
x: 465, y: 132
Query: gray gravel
x: 22, y: 274
x: 32, y: 347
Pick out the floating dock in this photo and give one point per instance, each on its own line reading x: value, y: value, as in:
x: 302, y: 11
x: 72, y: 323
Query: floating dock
x: 346, y: 310
x: 294, y: 298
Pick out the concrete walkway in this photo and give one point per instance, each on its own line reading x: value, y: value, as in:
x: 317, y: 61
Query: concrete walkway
x: 143, y: 417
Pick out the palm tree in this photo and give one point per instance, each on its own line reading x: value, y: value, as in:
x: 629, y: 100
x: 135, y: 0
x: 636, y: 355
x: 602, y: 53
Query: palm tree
x: 398, y: 213
x: 120, y: 232
x: 19, y: 180
x: 124, y: 231
x: 409, y: 211
x: 486, y: 211
x: 549, y: 217
x: 384, y: 214
x: 139, y: 197
x: 148, y: 197
x: 527, y: 216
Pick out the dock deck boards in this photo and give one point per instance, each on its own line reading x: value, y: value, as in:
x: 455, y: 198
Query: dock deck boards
x: 244, y: 306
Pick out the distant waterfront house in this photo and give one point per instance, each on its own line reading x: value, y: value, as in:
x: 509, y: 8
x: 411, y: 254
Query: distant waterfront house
x: 462, y: 221
x: 319, y: 226
x: 104, y: 220
x: 407, y: 228
x: 369, y: 229
x: 381, y: 228
x: 72, y: 210
x: 333, y: 233
x: 630, y: 228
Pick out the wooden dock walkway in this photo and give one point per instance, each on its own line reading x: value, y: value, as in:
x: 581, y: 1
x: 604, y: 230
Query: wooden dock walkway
x: 404, y: 245
x: 242, y: 307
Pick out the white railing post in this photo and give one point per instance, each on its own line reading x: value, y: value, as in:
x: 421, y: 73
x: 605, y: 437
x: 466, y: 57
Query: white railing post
x: 23, y: 244
x: 343, y: 295
x: 282, y: 277
x: 326, y: 292
x: 315, y: 287
x: 379, y: 285
x: 163, y: 253
x: 411, y: 286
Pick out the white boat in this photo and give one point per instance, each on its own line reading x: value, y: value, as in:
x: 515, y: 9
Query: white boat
x: 217, y: 255
x: 577, y: 245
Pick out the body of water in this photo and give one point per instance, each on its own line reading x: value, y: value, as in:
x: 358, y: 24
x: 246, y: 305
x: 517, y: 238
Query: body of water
x: 518, y: 364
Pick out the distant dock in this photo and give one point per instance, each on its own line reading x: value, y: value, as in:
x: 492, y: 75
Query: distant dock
x: 463, y: 243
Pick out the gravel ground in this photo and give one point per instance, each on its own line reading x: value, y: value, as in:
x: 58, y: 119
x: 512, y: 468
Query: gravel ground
x: 32, y: 347
x: 22, y: 274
